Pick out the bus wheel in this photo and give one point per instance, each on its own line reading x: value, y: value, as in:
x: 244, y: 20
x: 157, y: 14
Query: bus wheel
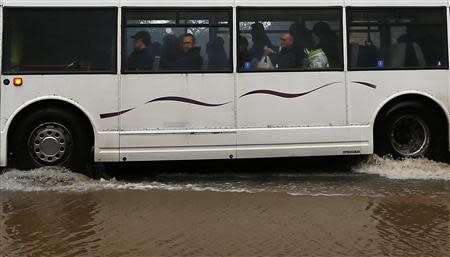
x: 408, y: 130
x: 51, y: 137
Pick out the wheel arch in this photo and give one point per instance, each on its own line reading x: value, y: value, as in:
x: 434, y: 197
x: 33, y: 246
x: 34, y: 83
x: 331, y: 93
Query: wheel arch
x: 43, y: 102
x: 411, y: 97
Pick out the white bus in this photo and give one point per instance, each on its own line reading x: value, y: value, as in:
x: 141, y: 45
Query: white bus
x: 135, y: 80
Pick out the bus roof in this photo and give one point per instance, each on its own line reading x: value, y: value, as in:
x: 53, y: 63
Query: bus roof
x: 173, y: 3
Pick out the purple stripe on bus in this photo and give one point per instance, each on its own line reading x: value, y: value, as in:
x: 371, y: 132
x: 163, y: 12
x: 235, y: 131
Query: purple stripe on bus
x: 365, y: 84
x: 185, y: 100
x: 286, y: 95
x: 164, y: 99
x: 114, y: 114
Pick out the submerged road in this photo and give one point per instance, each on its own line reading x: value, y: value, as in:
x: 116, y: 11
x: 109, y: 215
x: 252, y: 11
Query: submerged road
x: 285, y: 207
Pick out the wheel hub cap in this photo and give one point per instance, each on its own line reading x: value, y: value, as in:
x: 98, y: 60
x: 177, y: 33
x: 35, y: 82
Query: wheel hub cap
x: 50, y: 144
x: 410, y: 136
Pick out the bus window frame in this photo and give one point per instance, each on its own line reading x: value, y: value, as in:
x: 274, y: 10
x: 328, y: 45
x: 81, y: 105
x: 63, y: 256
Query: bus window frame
x: 341, y: 20
x: 446, y: 40
x: 114, y: 68
x: 125, y: 10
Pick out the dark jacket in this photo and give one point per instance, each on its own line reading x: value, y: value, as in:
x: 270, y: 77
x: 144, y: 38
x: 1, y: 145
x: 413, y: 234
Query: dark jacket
x: 218, y: 59
x: 190, y: 60
x: 169, y: 53
x: 260, y: 42
x: 285, y: 59
x: 141, y: 60
x: 328, y: 44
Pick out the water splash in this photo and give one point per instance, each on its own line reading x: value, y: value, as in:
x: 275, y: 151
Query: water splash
x: 63, y: 180
x: 418, y: 169
x: 354, y: 181
x: 43, y: 179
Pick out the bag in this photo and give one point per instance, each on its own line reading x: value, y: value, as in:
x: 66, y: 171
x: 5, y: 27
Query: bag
x: 317, y: 59
x: 265, y: 63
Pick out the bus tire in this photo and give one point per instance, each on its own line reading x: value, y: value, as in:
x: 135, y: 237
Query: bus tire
x: 51, y: 137
x: 409, y: 130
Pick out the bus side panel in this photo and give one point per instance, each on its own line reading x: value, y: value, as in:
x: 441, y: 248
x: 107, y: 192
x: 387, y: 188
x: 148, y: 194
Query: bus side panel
x: 295, y: 114
x: 177, y: 116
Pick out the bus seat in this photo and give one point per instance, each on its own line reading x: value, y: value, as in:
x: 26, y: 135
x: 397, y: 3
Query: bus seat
x: 397, y: 55
x: 367, y: 56
x: 419, y: 55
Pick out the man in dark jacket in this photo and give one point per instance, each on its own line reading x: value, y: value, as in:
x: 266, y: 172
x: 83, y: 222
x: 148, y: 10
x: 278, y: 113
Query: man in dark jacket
x: 189, y: 58
x: 142, y: 57
x: 286, y: 58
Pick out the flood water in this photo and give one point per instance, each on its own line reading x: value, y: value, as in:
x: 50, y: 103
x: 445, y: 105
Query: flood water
x: 284, y: 207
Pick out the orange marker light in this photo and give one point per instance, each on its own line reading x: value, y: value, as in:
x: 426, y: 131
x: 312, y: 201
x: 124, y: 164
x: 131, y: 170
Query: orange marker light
x: 18, y: 82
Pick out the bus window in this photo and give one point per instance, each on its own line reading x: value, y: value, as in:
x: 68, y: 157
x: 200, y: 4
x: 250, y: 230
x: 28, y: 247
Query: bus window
x: 290, y: 39
x: 59, y: 40
x: 177, y: 41
x: 397, y: 38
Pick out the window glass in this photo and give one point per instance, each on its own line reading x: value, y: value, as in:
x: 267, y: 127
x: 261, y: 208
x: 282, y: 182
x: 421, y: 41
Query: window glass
x: 397, y: 38
x: 177, y: 41
x: 290, y: 39
x: 59, y: 40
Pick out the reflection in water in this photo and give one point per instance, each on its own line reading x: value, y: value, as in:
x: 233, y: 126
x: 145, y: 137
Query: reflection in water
x: 50, y: 212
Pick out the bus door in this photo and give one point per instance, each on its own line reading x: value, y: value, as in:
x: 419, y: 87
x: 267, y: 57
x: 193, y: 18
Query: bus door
x: 177, y: 85
x: 291, y: 85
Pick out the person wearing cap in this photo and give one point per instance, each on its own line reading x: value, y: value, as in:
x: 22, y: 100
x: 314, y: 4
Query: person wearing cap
x: 142, y: 57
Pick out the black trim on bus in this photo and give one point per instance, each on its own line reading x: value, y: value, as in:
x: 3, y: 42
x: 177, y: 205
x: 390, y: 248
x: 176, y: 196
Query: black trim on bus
x: 228, y: 9
x: 114, y: 69
x: 335, y: 69
x: 365, y: 8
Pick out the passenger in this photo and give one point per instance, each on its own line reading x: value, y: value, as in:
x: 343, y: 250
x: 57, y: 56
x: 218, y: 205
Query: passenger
x: 286, y: 58
x: 260, y: 41
x: 303, y: 39
x: 217, y: 56
x: 328, y: 42
x: 142, y: 57
x: 169, y: 52
x: 189, y: 58
x: 244, y: 56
